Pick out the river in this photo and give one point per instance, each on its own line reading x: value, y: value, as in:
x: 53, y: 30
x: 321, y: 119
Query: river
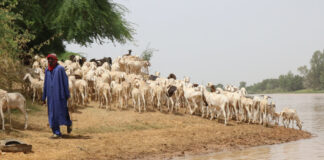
x: 310, y: 108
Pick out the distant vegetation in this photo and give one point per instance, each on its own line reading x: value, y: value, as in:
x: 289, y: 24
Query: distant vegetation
x: 309, y: 80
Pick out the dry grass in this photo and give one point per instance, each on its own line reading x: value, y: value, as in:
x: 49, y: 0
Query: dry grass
x: 101, y: 134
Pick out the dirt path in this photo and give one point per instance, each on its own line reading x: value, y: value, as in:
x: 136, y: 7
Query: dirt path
x: 101, y: 134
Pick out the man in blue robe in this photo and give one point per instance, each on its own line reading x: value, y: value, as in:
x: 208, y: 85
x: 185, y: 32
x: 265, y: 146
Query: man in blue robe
x: 56, y: 90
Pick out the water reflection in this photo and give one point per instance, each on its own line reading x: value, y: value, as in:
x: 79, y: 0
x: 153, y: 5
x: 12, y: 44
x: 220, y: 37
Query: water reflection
x: 310, y: 108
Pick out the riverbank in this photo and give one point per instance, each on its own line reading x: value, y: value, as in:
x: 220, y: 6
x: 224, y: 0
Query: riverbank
x: 302, y: 91
x: 125, y: 134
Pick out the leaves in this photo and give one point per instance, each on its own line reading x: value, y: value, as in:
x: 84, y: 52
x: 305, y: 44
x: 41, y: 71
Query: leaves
x: 78, y: 21
x: 12, y: 42
x: 148, y: 53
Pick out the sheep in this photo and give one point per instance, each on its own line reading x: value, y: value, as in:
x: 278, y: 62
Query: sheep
x: 104, y: 93
x: 290, y: 115
x: 116, y: 75
x: 136, y: 97
x: 43, y: 63
x: 216, y: 102
x: 231, y: 88
x: 156, y: 93
x: 115, y: 67
x: 71, y: 100
x: 242, y: 91
x: 4, y: 99
x: 117, y: 93
x: 81, y: 90
x: 266, y: 110
x: 135, y: 66
x: 153, y: 77
x: 192, y: 96
x: 170, y: 93
x: 172, y: 76
x: 17, y: 100
x: 256, y: 108
x: 247, y: 104
x: 67, y: 62
x: 35, y: 65
x: 276, y: 117
x: 186, y: 79
x: 144, y: 89
x: 40, y: 72
x: 91, y: 79
x: 157, y: 74
x: 180, y: 100
x: 37, y: 58
x: 235, y: 103
x: 36, y: 85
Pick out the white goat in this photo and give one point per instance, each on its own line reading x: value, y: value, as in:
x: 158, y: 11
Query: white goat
x: 17, y: 100
x: 4, y: 99
x: 216, y: 102
x: 290, y: 115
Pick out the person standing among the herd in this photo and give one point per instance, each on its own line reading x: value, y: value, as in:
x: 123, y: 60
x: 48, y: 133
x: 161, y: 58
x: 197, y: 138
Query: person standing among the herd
x: 56, y: 90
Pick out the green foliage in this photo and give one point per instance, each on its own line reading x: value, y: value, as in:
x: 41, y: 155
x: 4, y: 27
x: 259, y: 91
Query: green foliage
x: 12, y: 42
x: 78, y: 21
x: 148, y: 53
x: 219, y: 86
x: 66, y: 55
x: 290, y: 82
x: 284, y: 83
x: 313, y: 78
x: 13, y: 38
x: 309, y: 81
x: 242, y: 84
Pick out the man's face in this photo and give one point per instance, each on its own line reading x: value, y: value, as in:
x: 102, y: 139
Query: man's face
x: 50, y: 61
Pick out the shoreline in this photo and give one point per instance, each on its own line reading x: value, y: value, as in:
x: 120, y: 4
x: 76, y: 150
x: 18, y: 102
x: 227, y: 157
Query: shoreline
x: 214, y: 148
x: 125, y: 134
x: 303, y: 91
x: 240, y: 148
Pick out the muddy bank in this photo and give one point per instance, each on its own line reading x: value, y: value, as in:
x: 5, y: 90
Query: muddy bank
x: 101, y: 134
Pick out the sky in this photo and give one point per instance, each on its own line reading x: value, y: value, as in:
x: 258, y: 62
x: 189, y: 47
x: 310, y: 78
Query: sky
x: 220, y: 41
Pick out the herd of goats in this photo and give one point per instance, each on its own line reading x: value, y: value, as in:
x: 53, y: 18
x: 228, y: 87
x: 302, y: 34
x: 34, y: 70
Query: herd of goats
x: 125, y: 81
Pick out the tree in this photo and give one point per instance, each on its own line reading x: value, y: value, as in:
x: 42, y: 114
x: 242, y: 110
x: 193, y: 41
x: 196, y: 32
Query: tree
x: 148, y: 53
x: 77, y: 21
x: 309, y: 78
x: 315, y: 75
x: 242, y: 84
x: 304, y: 72
x: 287, y: 82
x: 219, y: 85
x: 13, y: 40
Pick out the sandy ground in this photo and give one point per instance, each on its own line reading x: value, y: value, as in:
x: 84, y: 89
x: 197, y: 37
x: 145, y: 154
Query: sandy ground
x: 125, y: 134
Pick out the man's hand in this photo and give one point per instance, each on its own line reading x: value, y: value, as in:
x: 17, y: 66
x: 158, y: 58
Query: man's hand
x: 44, y: 102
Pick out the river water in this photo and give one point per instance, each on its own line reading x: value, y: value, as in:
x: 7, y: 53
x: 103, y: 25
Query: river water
x: 310, y: 108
